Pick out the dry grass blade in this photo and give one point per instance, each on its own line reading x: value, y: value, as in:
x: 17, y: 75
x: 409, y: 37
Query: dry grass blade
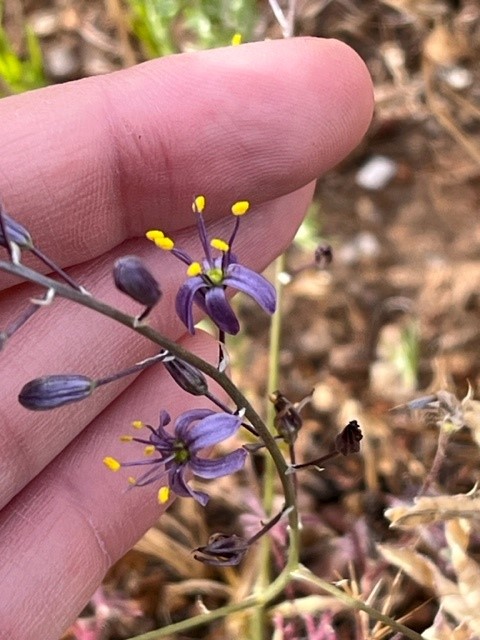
x: 429, y: 576
x: 428, y: 509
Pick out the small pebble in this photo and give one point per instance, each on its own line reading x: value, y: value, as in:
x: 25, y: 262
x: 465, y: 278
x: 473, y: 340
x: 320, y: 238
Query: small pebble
x: 376, y: 173
x: 458, y: 78
x: 44, y: 22
x: 62, y: 62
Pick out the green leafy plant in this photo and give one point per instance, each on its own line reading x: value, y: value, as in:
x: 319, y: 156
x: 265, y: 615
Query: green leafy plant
x: 203, y: 25
x: 19, y: 74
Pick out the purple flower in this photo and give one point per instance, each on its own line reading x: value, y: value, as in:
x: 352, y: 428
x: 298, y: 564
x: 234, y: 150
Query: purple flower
x: 208, y: 280
x: 176, y: 455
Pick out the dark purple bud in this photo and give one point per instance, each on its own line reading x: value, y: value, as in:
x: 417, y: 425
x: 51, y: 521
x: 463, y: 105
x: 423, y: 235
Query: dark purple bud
x: 348, y: 441
x: 54, y: 391
x: 187, y: 377
x: 323, y: 256
x: 133, y: 278
x: 287, y: 420
x: 222, y: 550
x: 16, y: 233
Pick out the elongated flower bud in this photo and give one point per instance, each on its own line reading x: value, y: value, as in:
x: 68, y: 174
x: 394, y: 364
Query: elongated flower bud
x: 187, y: 377
x: 16, y: 233
x: 54, y: 391
x: 133, y: 278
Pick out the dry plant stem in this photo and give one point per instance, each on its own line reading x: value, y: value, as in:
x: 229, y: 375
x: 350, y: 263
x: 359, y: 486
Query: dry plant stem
x: 432, y: 475
x: 286, y: 21
x: 117, y: 13
x: 305, y: 575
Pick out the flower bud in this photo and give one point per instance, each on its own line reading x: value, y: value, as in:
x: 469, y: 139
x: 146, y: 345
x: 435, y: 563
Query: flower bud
x: 287, y: 419
x: 54, y: 391
x: 222, y: 550
x: 348, y: 440
x: 187, y: 377
x: 323, y: 256
x: 133, y: 278
x: 16, y: 233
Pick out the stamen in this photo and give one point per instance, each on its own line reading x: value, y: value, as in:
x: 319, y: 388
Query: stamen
x: 160, y: 239
x: 199, y: 204
x: 126, y: 438
x: 236, y: 40
x: 163, y: 495
x: 149, y: 449
x: 195, y: 269
x: 111, y: 463
x: 219, y: 244
x: 240, y: 208
x: 137, y: 424
x: 132, y: 481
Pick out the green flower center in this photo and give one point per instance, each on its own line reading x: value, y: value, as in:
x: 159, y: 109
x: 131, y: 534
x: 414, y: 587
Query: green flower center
x: 182, y: 454
x: 215, y: 275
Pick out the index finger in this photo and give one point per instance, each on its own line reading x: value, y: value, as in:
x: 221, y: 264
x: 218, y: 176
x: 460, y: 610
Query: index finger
x: 89, y: 164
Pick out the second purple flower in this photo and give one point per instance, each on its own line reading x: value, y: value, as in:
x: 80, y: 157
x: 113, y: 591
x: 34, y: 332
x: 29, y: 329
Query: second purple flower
x: 208, y: 280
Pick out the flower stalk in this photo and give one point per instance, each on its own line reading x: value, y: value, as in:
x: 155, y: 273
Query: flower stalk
x: 86, y: 300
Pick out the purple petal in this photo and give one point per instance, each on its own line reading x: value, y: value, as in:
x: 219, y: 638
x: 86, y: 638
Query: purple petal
x: 183, y: 422
x: 179, y: 486
x: 211, y: 430
x: 253, y: 284
x: 184, y: 300
x: 220, y: 311
x: 160, y: 435
x: 223, y: 466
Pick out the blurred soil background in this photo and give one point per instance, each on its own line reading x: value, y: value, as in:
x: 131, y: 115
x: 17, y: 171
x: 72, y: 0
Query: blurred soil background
x: 396, y: 316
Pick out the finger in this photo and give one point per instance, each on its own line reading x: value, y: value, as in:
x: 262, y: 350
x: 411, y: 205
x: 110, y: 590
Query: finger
x: 66, y: 338
x: 61, y: 534
x: 88, y: 164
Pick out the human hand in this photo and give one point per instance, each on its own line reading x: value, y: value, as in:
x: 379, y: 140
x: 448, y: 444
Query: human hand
x: 87, y: 168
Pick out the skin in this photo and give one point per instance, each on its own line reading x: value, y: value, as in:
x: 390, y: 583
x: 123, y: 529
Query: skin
x: 88, y: 167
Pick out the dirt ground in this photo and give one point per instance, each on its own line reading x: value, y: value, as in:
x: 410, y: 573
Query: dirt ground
x: 396, y: 316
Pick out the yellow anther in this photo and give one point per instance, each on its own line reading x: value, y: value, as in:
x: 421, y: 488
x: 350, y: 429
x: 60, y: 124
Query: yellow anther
x: 131, y: 480
x: 160, y: 239
x: 195, y: 269
x: 166, y: 244
x: 163, y: 495
x: 149, y: 449
x: 198, y: 204
x: 137, y: 424
x: 154, y: 234
x: 221, y: 245
x: 111, y: 463
x: 126, y: 438
x: 240, y: 208
x: 237, y: 39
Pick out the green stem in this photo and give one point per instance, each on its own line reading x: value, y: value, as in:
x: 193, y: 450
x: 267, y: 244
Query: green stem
x: 257, y: 625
